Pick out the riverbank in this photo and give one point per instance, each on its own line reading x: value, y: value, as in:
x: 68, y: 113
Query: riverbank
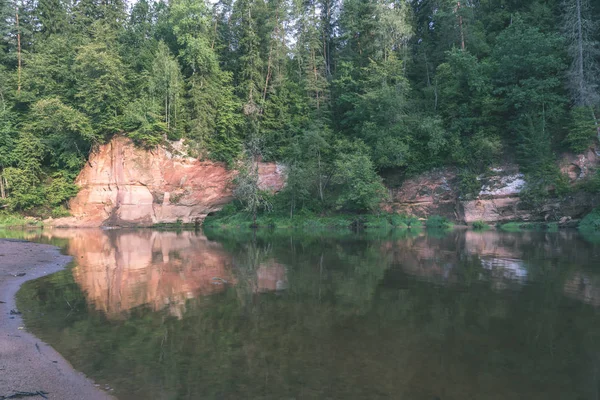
x: 19, y: 221
x: 311, y: 222
x: 367, y: 222
x: 26, y: 363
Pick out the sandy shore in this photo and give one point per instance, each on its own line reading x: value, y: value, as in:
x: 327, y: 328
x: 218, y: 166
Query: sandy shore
x: 26, y: 363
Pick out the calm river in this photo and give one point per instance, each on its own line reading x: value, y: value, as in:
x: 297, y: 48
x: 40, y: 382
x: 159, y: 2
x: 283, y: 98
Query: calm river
x: 208, y: 315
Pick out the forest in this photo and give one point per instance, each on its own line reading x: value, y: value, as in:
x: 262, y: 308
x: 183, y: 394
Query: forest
x: 343, y: 92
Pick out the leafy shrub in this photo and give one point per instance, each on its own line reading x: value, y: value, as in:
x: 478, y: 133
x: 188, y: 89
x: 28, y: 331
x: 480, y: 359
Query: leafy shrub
x: 591, y: 222
x: 59, y: 212
x: 530, y: 226
x: 592, y: 184
x: 469, y: 185
x: 24, y: 189
x: 438, y: 222
x: 11, y: 220
x: 398, y: 221
x: 511, y: 227
x: 377, y: 222
x: 480, y: 226
x: 403, y: 221
x: 361, y: 189
x: 582, y: 130
x: 59, y: 190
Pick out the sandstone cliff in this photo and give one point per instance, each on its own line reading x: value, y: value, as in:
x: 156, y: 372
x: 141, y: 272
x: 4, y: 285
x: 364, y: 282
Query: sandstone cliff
x: 124, y: 185
x: 499, y: 198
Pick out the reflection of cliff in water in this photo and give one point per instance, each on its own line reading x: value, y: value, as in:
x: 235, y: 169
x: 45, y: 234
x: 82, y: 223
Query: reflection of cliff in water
x: 497, y: 257
x: 585, y: 287
x: 120, y: 270
x: 359, y: 319
x: 123, y: 269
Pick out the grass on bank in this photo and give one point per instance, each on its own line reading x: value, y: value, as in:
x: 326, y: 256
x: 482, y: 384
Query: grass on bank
x: 529, y: 226
x: 438, y: 222
x: 230, y: 218
x: 480, y: 226
x: 13, y: 220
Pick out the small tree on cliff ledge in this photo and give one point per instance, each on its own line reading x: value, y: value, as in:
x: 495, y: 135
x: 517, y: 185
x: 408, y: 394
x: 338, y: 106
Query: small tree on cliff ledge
x: 246, y: 189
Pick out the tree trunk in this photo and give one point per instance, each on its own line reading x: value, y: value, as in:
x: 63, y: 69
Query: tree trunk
x: 596, y: 122
x: 18, y: 54
x: 314, y: 65
x: 580, y: 60
x: 2, y: 188
x: 320, y: 176
x: 460, y: 24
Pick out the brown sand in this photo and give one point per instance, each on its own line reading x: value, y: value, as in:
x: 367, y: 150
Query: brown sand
x: 26, y: 363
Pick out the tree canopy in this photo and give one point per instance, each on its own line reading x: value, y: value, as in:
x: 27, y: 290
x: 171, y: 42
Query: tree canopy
x: 338, y: 90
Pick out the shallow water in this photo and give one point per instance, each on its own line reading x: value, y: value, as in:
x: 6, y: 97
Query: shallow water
x: 459, y: 315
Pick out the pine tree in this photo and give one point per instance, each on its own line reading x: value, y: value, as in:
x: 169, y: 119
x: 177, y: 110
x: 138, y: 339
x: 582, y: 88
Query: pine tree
x: 249, y: 76
x: 584, y: 49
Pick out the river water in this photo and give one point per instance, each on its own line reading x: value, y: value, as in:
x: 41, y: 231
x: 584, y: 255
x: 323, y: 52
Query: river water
x: 396, y: 315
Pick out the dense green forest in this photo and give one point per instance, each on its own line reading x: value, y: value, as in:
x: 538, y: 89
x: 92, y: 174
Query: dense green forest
x: 341, y: 91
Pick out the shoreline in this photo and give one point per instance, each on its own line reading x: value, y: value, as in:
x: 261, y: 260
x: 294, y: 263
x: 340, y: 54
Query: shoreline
x: 27, y: 364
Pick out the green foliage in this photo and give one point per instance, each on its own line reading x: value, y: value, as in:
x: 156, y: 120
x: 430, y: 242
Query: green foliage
x: 65, y: 132
x: 8, y: 220
x: 591, y: 222
x: 404, y: 221
x: 144, y: 123
x: 480, y: 226
x: 365, y: 87
x: 530, y: 226
x: 582, y: 130
x: 512, y: 227
x: 234, y: 216
x: 24, y: 189
x: 593, y: 183
x: 359, y: 186
x: 247, y: 190
x: 59, y: 190
x: 469, y: 184
x: 101, y: 84
x: 438, y: 222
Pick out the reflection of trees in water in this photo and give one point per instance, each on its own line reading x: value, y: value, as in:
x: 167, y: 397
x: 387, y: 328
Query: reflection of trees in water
x: 353, y: 323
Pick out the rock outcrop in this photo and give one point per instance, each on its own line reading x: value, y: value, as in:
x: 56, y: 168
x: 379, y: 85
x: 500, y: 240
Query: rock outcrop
x: 499, y: 198
x: 431, y: 193
x: 125, y: 185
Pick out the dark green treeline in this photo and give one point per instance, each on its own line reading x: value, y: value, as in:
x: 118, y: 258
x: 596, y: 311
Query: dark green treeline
x: 341, y: 91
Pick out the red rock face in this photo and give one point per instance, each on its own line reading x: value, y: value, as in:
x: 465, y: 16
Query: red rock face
x: 580, y: 166
x: 499, y: 198
x: 427, y: 194
x: 124, y: 185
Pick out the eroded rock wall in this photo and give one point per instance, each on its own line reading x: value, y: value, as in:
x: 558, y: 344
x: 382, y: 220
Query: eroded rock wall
x: 124, y: 185
x: 499, y: 198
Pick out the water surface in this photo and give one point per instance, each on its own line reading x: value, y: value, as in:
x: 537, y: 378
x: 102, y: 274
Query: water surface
x: 191, y: 315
